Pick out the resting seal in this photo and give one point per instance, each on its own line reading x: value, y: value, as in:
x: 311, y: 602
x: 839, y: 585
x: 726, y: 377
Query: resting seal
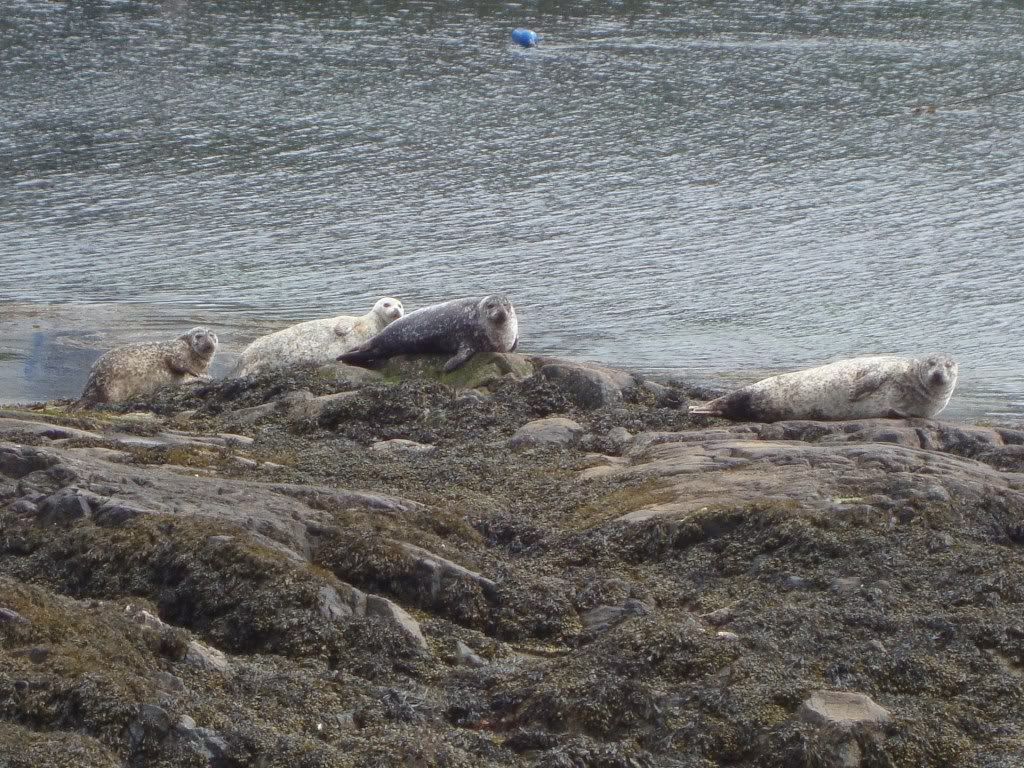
x: 316, y: 342
x: 878, y: 386
x: 459, y: 328
x: 135, y: 370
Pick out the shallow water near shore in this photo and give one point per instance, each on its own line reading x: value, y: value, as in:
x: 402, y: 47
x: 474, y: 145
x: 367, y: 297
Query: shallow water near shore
x: 718, y: 192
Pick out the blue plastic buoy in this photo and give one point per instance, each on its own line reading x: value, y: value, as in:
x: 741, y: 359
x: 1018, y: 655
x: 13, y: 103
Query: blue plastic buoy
x: 524, y: 37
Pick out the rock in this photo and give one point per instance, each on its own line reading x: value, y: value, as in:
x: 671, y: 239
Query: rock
x: 604, y: 617
x: 381, y: 606
x: 847, y: 585
x: 66, y: 506
x: 232, y: 439
x: 435, y: 569
x: 665, y: 397
x: 247, y: 417
x: 147, y: 619
x: 718, y: 617
x: 840, y: 717
x: 620, y: 437
x: 169, y: 682
x: 205, y: 742
x: 9, y: 616
x: 843, y: 710
x: 303, y: 407
x: 204, y: 657
x: 24, y: 507
x: 465, y: 656
x: 332, y: 607
x: 400, y: 446
x: 587, y: 386
x: 16, y: 461
x: 554, y: 431
x: 729, y: 637
x: 483, y: 371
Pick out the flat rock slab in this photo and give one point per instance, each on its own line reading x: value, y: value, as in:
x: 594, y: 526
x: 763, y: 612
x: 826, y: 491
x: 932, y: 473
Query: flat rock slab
x: 842, y: 709
x: 553, y: 431
x: 278, y: 514
x: 701, y: 469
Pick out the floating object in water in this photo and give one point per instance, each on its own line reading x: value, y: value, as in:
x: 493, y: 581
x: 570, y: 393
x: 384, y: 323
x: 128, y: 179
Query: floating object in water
x: 524, y: 37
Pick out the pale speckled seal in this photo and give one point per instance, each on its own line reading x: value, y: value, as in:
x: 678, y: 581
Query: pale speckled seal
x: 316, y: 342
x: 877, y: 386
x: 135, y: 370
x: 459, y: 328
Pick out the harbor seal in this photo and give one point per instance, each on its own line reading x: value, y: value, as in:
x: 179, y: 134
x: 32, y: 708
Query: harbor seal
x: 316, y: 342
x: 459, y: 327
x: 136, y: 370
x: 877, y: 386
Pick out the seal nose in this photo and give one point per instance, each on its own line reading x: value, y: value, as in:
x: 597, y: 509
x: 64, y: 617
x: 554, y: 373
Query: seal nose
x: 938, y: 377
x: 499, y: 316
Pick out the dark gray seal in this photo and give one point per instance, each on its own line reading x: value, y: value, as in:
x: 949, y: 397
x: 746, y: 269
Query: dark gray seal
x: 460, y: 328
x: 877, y: 386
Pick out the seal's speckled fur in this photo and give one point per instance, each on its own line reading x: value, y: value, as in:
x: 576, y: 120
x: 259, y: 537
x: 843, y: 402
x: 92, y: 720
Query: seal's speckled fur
x: 459, y: 328
x: 141, y: 369
x: 877, y: 386
x: 316, y: 342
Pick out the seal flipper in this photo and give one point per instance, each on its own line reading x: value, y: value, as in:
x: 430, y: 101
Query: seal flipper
x: 459, y: 359
x: 359, y: 356
x: 866, y: 385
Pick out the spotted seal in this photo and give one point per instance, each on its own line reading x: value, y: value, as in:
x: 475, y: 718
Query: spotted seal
x: 876, y: 386
x: 316, y: 342
x: 459, y: 327
x: 136, y: 370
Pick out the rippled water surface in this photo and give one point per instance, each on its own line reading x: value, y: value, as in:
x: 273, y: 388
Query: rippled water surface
x: 709, y: 188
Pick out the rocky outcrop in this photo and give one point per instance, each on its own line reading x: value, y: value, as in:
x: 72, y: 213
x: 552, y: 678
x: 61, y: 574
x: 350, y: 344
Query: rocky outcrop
x: 311, y: 571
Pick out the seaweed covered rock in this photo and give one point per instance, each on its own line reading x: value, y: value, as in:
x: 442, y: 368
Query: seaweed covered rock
x: 241, y: 578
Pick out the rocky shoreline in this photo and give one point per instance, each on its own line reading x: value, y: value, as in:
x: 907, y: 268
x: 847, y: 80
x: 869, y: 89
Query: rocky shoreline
x: 529, y: 562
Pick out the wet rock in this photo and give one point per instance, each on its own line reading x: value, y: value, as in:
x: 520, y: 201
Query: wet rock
x: 435, y: 570
x: 169, y: 682
x: 25, y: 507
x: 10, y: 616
x: 204, y: 657
x: 204, y: 742
x: 846, y: 710
x: 847, y: 585
x: 68, y: 505
x: 465, y: 656
x: 665, y: 397
x: 484, y: 370
x: 401, y: 446
x: 587, y: 386
x: 332, y: 607
x: 554, y: 431
x: 381, y: 606
x: 718, y: 617
x: 303, y: 407
x: 16, y: 461
x: 620, y: 438
x: 604, y: 617
x: 248, y: 417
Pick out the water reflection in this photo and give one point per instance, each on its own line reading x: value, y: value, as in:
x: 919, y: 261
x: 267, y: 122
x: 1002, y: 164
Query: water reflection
x: 725, y: 186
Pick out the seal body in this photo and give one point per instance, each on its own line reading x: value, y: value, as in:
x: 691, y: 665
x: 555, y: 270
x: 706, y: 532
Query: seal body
x: 877, y: 386
x: 459, y: 328
x: 316, y: 342
x: 136, y: 370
